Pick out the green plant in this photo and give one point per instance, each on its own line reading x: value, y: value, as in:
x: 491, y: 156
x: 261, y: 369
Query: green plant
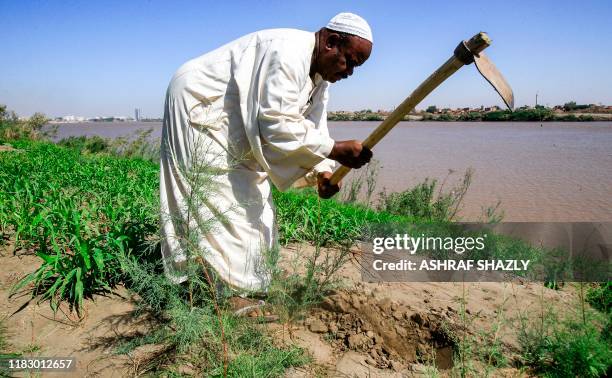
x: 599, y: 295
x: 368, y: 176
x: 470, y: 116
x: 140, y: 145
x: 567, y: 345
x: 422, y: 201
x: 12, y: 128
x: 93, y: 144
x: 196, y: 328
x: 75, y: 213
x: 305, y: 281
x: 299, y: 218
x: 577, y: 349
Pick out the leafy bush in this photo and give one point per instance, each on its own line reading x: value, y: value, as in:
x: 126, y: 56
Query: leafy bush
x: 600, y: 296
x: 423, y: 202
x: 140, y: 145
x: 538, y: 114
x: 445, y: 117
x: 93, y: 144
x: 471, y: 116
x: 496, y: 116
x: 570, y: 349
x: 12, y: 128
x: 196, y: 328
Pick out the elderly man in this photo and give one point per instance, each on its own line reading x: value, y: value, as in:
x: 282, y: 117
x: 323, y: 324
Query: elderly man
x: 254, y: 111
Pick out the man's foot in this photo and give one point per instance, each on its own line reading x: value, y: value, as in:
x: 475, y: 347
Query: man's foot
x: 255, y: 309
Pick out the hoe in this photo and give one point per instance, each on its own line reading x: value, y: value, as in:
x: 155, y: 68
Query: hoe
x: 465, y: 53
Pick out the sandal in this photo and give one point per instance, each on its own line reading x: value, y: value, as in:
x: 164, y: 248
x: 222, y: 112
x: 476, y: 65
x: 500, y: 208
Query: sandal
x: 252, y: 309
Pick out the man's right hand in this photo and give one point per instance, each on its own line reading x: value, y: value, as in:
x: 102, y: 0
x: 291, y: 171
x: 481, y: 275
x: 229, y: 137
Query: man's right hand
x: 350, y: 153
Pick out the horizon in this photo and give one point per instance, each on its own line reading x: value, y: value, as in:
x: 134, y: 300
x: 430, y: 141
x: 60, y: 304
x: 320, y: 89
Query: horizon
x: 91, y: 60
x: 418, y: 109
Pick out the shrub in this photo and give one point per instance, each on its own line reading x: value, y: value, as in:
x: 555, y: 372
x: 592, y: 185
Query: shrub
x: 93, y: 144
x: 423, y: 202
x: 471, y: 116
x: 12, y: 128
x: 500, y: 115
x: 600, y: 296
x: 445, y: 117
x: 571, y: 349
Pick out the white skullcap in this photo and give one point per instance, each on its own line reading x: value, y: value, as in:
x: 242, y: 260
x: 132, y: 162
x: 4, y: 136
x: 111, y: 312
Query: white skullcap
x: 352, y: 24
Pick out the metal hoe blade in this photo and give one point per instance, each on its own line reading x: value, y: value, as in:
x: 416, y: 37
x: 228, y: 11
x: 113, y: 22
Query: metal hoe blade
x: 488, y: 70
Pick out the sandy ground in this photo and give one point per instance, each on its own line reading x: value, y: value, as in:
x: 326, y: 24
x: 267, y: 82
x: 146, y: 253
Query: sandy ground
x: 35, y: 330
x: 362, y: 329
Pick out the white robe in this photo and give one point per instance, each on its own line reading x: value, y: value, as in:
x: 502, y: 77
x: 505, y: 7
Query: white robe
x: 250, y: 109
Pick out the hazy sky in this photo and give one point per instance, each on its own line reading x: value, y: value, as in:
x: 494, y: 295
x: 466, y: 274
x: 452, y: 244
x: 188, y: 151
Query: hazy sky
x: 96, y: 58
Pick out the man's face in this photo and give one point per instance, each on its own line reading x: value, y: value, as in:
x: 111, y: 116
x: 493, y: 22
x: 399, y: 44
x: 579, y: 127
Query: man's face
x: 338, y: 60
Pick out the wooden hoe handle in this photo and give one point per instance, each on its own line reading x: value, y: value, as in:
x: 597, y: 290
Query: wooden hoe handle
x: 464, y: 54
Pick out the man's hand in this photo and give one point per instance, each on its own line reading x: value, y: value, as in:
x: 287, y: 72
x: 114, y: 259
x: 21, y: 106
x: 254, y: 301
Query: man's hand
x: 326, y: 189
x: 350, y: 153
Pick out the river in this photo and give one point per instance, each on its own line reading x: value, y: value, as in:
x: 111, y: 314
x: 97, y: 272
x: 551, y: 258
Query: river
x: 551, y: 171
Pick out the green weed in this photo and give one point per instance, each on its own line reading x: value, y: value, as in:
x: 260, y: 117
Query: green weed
x: 570, y: 345
x: 12, y: 128
x: 477, y: 352
x: 599, y: 296
x: 92, y: 144
x: 140, y: 145
x: 423, y: 202
x: 352, y: 189
x: 300, y: 218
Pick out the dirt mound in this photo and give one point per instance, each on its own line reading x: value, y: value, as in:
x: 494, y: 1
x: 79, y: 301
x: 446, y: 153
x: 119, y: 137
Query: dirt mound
x: 399, y: 329
x: 392, y: 334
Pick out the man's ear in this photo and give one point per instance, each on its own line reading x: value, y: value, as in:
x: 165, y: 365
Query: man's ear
x: 332, y: 41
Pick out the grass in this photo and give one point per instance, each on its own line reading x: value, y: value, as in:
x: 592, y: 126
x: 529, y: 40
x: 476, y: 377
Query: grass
x: 478, y: 352
x: 303, y: 217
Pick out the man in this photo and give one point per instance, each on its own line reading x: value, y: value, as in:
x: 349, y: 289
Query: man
x: 255, y: 111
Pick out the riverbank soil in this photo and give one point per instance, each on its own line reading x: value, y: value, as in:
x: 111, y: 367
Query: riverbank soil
x: 34, y: 330
x: 361, y: 329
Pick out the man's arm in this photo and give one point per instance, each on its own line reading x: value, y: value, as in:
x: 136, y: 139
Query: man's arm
x: 289, y: 139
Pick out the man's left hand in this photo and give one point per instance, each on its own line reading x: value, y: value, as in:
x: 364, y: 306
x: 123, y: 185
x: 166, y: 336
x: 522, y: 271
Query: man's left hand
x: 326, y: 189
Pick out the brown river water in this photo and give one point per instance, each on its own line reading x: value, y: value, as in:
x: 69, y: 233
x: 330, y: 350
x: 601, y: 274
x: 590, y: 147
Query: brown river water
x: 553, y: 171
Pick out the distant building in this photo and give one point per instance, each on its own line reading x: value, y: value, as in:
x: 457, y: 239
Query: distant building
x: 71, y: 118
x: 138, y: 114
